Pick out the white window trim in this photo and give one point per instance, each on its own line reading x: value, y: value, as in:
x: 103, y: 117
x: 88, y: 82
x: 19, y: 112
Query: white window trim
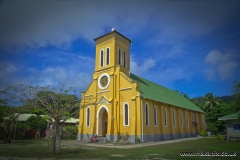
x: 88, y: 108
x: 124, y: 114
x: 99, y: 84
x: 147, y: 106
x: 109, y: 56
x: 101, y: 58
x: 155, y: 108
x: 165, y: 117
x: 174, y: 118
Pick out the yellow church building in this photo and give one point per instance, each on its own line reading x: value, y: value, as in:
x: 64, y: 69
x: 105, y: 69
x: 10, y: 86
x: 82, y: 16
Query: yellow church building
x: 120, y: 104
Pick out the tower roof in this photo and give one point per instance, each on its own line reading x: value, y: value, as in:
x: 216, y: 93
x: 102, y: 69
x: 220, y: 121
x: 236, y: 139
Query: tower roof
x: 112, y: 32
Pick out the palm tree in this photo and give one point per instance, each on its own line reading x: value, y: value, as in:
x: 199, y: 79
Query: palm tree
x: 210, y: 101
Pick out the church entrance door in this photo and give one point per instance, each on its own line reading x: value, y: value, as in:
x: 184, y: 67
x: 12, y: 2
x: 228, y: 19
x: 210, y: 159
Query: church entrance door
x: 102, y: 122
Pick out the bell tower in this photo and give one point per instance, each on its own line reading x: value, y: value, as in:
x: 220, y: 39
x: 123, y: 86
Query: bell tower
x: 113, y: 50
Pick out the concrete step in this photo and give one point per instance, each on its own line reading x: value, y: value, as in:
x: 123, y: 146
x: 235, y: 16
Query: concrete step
x: 102, y: 140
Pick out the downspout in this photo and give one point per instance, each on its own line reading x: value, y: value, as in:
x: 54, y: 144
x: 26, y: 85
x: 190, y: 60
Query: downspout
x: 142, y: 119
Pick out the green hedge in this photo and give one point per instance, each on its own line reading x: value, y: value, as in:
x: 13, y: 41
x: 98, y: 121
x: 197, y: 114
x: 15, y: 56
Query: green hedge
x: 212, y: 128
x: 69, y: 132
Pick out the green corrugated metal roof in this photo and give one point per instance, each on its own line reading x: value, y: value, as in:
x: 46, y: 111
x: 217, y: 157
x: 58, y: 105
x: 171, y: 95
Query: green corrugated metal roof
x: 159, y: 93
x: 230, y: 116
x: 72, y: 120
x: 24, y: 117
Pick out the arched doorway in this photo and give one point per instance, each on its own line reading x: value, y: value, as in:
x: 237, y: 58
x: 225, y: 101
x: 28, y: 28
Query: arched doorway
x: 102, y: 121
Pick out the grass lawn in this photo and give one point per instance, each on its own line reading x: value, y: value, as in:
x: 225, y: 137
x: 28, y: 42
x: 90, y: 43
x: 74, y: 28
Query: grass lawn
x: 40, y: 149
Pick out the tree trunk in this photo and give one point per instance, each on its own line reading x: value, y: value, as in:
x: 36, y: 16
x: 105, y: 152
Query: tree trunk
x: 7, y: 134
x: 54, y: 143
x: 54, y: 138
x: 39, y: 131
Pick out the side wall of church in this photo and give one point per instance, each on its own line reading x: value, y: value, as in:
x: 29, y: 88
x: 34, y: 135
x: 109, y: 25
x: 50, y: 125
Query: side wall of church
x: 164, y: 122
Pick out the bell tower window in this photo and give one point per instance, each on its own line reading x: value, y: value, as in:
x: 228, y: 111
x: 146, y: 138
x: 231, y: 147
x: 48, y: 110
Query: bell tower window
x: 101, y: 58
x: 119, y: 56
x: 124, y: 59
x: 107, y: 56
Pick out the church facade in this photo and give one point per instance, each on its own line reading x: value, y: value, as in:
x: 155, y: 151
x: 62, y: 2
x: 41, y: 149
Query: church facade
x: 119, y: 104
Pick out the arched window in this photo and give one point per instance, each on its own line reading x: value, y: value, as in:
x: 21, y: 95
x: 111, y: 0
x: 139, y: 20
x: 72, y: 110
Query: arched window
x: 181, y: 122
x: 197, y: 118
x: 165, y: 117
x: 147, y: 114
x: 119, y: 56
x: 174, y: 118
x: 88, y: 117
x: 192, y: 119
x: 126, y: 114
x: 107, y: 56
x: 187, y: 118
x: 155, y: 115
x: 101, y: 58
x: 124, y: 59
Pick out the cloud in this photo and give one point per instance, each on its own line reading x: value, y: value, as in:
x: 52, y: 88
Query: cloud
x: 58, y: 23
x: 214, y: 57
x: 210, y: 74
x: 221, y: 64
x: 7, y: 68
x: 42, y: 23
x: 57, y: 68
x: 59, y: 75
x: 141, y: 69
x: 178, y: 20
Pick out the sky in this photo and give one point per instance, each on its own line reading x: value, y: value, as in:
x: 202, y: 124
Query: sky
x: 192, y: 46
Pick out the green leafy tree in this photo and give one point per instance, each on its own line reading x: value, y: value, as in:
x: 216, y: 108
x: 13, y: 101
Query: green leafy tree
x: 236, y: 93
x: 212, y: 128
x: 238, y: 119
x: 213, y: 115
x: 57, y: 104
x: 37, y: 122
x: 21, y: 128
x: 210, y: 101
x: 8, y: 118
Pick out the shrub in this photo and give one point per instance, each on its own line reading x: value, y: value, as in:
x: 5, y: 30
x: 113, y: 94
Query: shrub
x: 219, y: 138
x: 137, y: 139
x: 212, y: 128
x: 69, y: 132
x: 203, y: 133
